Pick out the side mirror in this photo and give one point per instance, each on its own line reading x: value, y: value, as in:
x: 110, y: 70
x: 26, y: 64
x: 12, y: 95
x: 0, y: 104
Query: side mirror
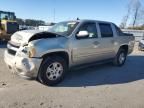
x: 82, y: 34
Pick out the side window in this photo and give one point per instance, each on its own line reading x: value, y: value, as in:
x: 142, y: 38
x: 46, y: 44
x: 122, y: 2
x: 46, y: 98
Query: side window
x: 119, y: 32
x: 106, y: 30
x: 90, y: 28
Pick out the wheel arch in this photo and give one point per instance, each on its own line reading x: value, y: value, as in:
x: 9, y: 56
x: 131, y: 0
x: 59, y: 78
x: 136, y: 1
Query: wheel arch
x: 125, y: 47
x: 62, y: 54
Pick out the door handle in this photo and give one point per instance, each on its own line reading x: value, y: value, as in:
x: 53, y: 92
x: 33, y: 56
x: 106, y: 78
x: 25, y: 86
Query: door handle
x: 114, y: 42
x: 96, y: 43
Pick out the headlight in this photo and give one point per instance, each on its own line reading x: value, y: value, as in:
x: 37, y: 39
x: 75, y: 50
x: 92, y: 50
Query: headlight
x: 29, y: 50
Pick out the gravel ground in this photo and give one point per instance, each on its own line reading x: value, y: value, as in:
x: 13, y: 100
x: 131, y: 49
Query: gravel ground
x: 102, y: 86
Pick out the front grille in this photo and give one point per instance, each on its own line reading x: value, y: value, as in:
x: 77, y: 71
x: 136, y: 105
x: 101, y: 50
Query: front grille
x: 12, y: 52
x: 12, y: 48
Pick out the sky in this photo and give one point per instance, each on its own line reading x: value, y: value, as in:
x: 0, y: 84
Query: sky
x: 107, y: 10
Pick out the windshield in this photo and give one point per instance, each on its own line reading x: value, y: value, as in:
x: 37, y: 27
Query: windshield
x: 64, y: 28
x: 7, y: 15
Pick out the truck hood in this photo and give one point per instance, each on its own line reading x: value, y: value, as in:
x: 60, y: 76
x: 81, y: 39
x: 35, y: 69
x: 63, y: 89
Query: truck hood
x: 25, y: 36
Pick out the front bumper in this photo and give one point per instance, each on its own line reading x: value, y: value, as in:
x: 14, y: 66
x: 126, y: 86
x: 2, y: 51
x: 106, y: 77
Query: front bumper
x: 24, y: 67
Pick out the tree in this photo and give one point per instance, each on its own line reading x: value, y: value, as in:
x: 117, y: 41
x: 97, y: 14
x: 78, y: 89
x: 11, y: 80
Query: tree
x: 127, y: 16
x: 124, y: 22
x: 134, y: 14
x: 20, y: 21
x: 136, y: 10
x: 31, y: 22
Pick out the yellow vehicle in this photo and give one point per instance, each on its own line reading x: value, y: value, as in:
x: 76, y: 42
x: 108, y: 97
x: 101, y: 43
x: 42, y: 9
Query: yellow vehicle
x: 8, y: 25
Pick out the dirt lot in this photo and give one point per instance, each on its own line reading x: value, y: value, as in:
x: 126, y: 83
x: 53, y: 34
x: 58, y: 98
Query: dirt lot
x: 103, y: 86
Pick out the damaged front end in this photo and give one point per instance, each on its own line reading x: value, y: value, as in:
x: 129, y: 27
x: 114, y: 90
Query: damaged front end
x: 21, y: 55
x: 21, y: 63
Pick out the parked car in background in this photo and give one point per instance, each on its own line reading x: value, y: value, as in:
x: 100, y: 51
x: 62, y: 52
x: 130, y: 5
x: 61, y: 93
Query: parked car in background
x: 48, y: 55
x: 46, y: 27
x: 141, y: 45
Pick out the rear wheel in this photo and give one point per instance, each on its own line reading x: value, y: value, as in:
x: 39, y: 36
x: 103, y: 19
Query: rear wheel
x: 120, y: 58
x: 52, y: 70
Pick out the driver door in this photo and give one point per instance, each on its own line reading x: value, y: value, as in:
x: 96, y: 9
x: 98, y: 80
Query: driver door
x: 84, y: 49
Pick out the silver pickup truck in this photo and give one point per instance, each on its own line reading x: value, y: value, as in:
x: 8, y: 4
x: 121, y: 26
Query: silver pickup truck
x: 48, y: 55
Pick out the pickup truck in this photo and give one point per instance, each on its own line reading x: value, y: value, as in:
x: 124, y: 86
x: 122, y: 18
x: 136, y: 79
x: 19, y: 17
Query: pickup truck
x: 48, y: 55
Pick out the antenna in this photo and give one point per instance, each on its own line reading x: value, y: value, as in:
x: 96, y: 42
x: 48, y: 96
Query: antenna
x: 54, y: 11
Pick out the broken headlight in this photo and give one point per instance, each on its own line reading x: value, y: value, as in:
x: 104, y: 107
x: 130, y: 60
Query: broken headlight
x: 29, y: 50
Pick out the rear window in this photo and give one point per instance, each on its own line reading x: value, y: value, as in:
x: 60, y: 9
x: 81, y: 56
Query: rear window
x: 106, y: 30
x: 119, y: 32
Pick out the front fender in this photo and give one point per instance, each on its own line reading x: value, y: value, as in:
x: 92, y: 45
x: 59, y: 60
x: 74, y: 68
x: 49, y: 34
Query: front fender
x: 54, y: 51
x: 45, y: 46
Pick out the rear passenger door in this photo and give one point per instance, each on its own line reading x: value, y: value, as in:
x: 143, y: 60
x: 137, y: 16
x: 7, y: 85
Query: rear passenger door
x: 106, y: 41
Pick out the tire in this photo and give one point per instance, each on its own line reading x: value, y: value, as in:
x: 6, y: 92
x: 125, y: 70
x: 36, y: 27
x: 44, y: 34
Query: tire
x: 52, y: 70
x: 120, y: 58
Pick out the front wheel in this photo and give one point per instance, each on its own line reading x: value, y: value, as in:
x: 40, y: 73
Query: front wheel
x: 52, y: 70
x: 120, y: 58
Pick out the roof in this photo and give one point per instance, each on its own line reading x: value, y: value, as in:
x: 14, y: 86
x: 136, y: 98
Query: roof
x: 87, y: 20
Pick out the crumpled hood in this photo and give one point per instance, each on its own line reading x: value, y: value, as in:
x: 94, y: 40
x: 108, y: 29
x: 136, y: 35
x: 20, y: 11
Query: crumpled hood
x: 23, y: 37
